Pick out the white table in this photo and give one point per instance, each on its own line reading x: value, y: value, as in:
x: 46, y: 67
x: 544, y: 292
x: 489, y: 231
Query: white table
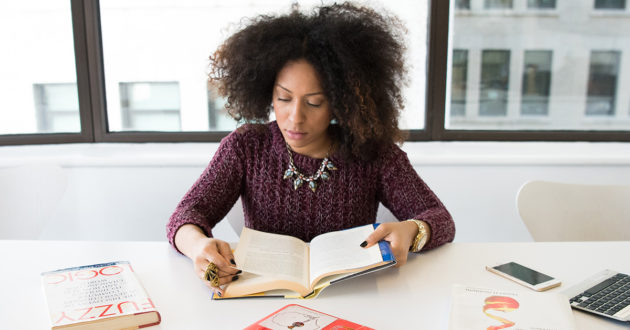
x: 396, y: 298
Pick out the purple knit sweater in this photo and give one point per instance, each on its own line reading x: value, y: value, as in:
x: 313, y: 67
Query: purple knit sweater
x: 250, y: 163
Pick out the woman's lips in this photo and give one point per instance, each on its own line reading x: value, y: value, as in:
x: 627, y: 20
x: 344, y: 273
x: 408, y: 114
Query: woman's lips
x: 295, y: 135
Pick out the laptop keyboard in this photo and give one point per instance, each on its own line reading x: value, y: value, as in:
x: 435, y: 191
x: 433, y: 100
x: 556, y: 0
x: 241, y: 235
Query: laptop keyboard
x: 608, y: 297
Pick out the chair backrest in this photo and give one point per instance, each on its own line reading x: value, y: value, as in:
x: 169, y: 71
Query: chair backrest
x: 29, y: 194
x: 554, y: 211
x: 236, y: 217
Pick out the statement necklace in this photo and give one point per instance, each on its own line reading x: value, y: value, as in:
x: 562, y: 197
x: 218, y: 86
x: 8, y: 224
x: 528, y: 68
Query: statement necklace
x: 299, y: 178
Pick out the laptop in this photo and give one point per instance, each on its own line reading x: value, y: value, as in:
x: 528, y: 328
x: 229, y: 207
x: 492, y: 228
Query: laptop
x: 606, y: 293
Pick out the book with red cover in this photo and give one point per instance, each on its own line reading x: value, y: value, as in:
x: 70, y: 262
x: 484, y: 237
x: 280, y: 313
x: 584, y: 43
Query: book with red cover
x: 101, y: 296
x: 294, y: 316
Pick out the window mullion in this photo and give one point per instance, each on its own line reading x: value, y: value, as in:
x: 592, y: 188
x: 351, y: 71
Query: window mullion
x: 94, y: 57
x: 82, y: 68
x: 437, y: 69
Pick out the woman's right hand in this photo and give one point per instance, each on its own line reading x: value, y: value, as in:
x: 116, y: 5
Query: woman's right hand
x: 203, y: 250
x: 207, y: 250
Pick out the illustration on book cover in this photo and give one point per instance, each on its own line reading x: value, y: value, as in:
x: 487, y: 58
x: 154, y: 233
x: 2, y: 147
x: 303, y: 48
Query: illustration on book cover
x: 294, y: 317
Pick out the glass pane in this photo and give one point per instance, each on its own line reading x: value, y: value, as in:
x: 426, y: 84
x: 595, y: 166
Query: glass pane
x: 458, y: 82
x: 536, y: 82
x: 57, y: 108
x: 501, y: 4
x: 495, y: 77
x: 37, y: 68
x: 602, y: 83
x: 462, y: 4
x: 150, y: 106
x: 560, y: 69
x: 610, y: 4
x: 171, y: 40
x: 543, y: 4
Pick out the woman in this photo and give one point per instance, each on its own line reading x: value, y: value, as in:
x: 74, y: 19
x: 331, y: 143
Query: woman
x: 332, y: 79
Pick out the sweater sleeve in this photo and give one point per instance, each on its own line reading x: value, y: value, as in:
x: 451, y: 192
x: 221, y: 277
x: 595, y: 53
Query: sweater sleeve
x: 214, y: 193
x: 407, y: 196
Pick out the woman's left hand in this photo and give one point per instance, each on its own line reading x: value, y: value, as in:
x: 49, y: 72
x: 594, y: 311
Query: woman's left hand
x: 400, y: 235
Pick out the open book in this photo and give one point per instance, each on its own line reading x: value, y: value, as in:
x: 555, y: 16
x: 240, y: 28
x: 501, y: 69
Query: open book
x: 281, y: 265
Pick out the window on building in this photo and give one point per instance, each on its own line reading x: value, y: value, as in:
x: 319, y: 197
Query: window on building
x: 218, y: 117
x: 541, y: 4
x: 57, y: 108
x: 602, y: 83
x: 462, y: 4
x: 498, y: 4
x: 458, y: 82
x: 150, y: 106
x: 536, y: 82
x: 610, y: 4
x: 495, y: 77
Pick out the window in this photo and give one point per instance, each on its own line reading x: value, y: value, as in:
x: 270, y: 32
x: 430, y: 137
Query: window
x: 135, y: 71
x: 145, y: 41
x: 462, y: 4
x: 495, y: 77
x: 602, y: 83
x: 57, y: 108
x: 610, y: 4
x: 535, y: 73
x: 458, y: 82
x: 498, y: 4
x: 37, y: 68
x: 541, y: 4
x: 150, y: 106
x: 536, y: 82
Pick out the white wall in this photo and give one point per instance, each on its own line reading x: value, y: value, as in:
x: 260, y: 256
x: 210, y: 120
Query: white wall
x: 128, y: 191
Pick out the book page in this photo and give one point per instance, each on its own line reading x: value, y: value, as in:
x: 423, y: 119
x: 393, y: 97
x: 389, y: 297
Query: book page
x: 340, y: 250
x: 272, y: 255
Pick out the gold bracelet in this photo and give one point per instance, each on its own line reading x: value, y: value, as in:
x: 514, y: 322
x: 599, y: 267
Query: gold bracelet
x: 421, y: 238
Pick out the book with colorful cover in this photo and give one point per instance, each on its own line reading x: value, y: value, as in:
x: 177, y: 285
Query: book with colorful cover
x: 491, y: 309
x: 100, y: 296
x: 295, y: 316
x: 285, y: 266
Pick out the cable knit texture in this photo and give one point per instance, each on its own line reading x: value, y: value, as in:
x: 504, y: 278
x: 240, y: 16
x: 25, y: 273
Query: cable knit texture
x: 250, y: 163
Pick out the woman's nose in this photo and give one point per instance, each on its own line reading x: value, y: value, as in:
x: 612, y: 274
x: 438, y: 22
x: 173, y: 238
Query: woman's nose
x: 296, y: 112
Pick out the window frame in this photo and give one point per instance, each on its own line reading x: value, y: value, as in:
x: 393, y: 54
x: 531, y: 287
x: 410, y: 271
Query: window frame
x: 93, y: 108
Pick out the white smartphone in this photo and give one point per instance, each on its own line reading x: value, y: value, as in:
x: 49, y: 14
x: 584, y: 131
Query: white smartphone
x: 525, y: 276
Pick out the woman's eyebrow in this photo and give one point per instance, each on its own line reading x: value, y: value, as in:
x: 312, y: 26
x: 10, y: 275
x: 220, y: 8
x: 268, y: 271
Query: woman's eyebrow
x: 289, y: 91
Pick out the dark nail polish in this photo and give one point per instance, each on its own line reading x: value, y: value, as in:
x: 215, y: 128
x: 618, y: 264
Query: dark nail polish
x: 364, y: 244
x: 239, y: 271
x: 233, y: 262
x: 235, y: 278
x: 218, y: 293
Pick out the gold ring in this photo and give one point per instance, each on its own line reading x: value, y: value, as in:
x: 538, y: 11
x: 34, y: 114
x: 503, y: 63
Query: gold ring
x: 212, y: 274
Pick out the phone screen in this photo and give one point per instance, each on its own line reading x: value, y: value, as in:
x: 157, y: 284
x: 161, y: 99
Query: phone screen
x: 523, y: 273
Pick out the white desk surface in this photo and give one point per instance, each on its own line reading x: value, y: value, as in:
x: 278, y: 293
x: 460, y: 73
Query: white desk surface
x: 414, y: 296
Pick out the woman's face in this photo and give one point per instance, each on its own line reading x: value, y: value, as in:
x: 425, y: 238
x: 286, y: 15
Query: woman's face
x: 301, y: 108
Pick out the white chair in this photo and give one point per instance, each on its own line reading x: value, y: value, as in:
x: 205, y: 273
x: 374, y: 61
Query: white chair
x: 29, y: 194
x: 554, y: 211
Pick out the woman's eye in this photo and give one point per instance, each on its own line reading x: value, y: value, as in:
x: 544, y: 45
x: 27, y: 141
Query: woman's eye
x: 283, y: 100
x: 314, y: 105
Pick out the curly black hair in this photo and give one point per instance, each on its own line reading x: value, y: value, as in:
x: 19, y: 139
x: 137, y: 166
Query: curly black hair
x: 358, y: 53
